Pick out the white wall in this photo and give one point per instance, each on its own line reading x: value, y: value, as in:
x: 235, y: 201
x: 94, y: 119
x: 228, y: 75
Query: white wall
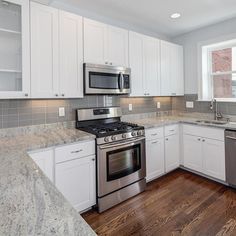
x: 191, y: 41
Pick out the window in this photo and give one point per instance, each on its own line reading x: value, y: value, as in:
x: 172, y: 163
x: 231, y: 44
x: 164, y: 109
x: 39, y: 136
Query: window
x: 219, y: 71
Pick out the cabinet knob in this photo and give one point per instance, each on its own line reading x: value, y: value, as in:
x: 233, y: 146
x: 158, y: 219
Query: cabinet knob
x: 111, y: 63
x: 56, y: 95
x: 199, y: 139
x: 106, y: 62
x: 93, y: 159
x: 26, y: 94
x: 167, y: 139
x: 63, y: 95
x: 203, y: 140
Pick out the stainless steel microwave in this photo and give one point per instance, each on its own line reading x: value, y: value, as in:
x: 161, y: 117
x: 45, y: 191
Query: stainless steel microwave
x: 102, y: 79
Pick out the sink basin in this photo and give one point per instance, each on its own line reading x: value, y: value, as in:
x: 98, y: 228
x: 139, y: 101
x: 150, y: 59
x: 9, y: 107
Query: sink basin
x: 213, y: 122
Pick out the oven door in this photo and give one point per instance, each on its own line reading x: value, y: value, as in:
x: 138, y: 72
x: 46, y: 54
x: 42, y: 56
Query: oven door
x: 100, y: 79
x: 120, y: 164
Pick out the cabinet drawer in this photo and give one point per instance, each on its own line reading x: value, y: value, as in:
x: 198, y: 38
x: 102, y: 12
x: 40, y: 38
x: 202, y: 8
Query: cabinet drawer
x: 171, y: 129
x: 73, y: 151
x: 206, y: 132
x: 154, y: 133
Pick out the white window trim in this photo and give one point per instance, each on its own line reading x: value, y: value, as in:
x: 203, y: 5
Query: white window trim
x: 205, y: 91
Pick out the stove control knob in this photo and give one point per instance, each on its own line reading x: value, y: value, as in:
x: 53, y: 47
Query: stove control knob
x: 106, y: 139
x: 123, y: 135
x: 113, y: 138
x: 140, y: 132
x: 133, y: 134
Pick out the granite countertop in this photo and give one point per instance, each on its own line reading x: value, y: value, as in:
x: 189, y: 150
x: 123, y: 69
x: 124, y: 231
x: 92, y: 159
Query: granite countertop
x: 168, y: 120
x: 30, y: 204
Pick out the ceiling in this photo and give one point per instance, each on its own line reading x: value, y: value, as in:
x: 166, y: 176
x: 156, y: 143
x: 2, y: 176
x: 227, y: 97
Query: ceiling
x: 154, y: 15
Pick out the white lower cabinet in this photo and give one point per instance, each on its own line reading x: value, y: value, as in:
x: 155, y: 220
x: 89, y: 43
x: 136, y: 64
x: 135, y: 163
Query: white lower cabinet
x: 213, y: 153
x: 76, y: 181
x: 45, y: 160
x: 203, y: 154
x: 155, y: 159
x: 172, y: 157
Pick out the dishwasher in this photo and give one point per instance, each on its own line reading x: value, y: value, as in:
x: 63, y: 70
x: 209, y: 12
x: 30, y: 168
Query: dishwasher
x: 230, y: 157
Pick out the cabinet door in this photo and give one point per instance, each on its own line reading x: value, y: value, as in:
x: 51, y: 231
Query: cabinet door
x: 14, y: 49
x: 71, y: 55
x: 192, y: 151
x: 165, y: 68
x: 95, y: 42
x: 76, y: 180
x: 154, y: 158
x: 213, y: 158
x: 44, y: 51
x: 136, y: 63
x: 172, y: 152
x: 45, y: 161
x: 117, y: 46
x: 177, y: 76
x: 151, y: 66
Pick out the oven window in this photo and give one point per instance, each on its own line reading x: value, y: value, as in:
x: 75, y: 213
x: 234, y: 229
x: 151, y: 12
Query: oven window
x: 123, y: 162
x: 103, y: 80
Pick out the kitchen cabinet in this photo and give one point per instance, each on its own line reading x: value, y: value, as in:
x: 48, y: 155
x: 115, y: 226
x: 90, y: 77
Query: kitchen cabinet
x: 45, y: 160
x: 204, y: 153
x: 172, y: 148
x: 155, y: 163
x: 213, y: 153
x: 75, y: 173
x: 144, y: 59
x: 172, y: 78
x: 192, y: 151
x: 70, y: 55
x: 56, y: 53
x: 105, y: 44
x: 44, y: 51
x: 14, y: 49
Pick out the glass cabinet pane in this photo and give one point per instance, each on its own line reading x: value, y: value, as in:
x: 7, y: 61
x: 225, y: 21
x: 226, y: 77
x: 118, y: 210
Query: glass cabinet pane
x: 10, y: 47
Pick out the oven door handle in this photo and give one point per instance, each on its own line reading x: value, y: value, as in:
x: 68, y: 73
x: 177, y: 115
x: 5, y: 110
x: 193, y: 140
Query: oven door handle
x: 123, y: 144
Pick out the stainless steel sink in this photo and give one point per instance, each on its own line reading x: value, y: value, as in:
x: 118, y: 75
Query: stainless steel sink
x: 212, y: 122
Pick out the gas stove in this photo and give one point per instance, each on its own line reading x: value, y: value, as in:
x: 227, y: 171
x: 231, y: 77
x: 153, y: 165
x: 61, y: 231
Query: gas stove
x: 120, y: 155
x: 105, y: 123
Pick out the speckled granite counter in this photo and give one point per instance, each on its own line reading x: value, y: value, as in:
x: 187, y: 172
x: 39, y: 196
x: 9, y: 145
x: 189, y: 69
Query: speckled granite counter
x: 30, y: 204
x: 168, y: 120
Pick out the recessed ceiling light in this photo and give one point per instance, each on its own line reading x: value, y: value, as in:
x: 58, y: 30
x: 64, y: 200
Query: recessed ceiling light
x: 175, y: 15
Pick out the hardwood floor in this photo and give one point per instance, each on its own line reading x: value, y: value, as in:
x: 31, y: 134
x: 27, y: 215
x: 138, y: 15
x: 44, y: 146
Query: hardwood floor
x: 180, y: 203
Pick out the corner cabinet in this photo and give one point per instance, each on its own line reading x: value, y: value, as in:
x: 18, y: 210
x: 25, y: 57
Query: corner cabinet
x: 14, y: 49
x: 172, y: 76
x: 56, y: 53
x: 144, y: 59
x: 105, y: 44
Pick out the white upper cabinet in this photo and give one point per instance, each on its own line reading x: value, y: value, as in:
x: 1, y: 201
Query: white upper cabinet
x: 117, y: 46
x: 95, y: 42
x: 14, y: 49
x: 71, y: 55
x: 56, y: 53
x: 172, y: 79
x: 104, y: 44
x: 144, y: 60
x: 44, y: 51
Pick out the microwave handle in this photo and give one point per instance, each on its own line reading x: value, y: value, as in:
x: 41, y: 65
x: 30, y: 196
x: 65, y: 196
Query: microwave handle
x: 121, y: 81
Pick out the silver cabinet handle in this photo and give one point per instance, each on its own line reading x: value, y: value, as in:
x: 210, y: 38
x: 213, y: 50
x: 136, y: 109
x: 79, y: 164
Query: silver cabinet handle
x: 154, y: 142
x: 154, y: 134
x: 93, y: 159
x: 172, y: 130
x: 26, y: 94
x: 77, y: 151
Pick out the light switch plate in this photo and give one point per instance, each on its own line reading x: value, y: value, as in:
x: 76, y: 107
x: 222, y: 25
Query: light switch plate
x: 158, y: 105
x: 130, y: 107
x: 189, y: 104
x: 61, y: 111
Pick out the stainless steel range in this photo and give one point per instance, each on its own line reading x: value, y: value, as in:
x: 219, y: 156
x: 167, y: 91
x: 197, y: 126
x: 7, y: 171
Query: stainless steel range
x: 121, y: 161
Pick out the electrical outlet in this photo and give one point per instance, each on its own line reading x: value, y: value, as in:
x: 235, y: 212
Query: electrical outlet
x: 158, y: 105
x: 189, y: 104
x: 130, y: 107
x: 61, y: 111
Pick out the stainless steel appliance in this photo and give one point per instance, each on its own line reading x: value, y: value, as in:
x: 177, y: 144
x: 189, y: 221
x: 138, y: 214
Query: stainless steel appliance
x: 102, y: 79
x: 230, y: 157
x: 121, y: 160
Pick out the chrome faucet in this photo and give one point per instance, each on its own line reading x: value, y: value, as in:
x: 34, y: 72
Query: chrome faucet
x: 214, y: 106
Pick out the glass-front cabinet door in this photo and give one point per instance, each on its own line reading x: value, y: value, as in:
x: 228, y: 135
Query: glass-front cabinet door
x: 14, y: 49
